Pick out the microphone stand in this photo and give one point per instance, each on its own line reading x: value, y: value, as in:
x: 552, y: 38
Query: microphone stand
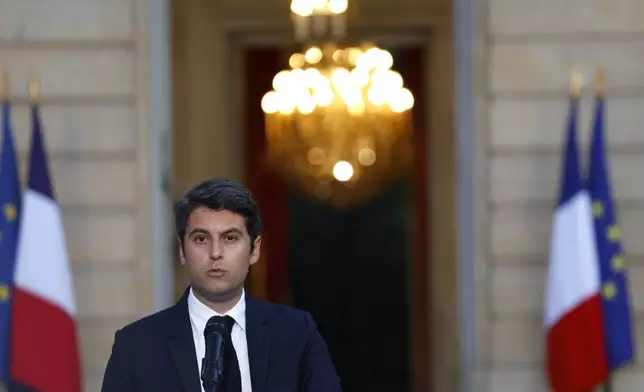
x: 214, y: 387
x: 211, y: 384
x: 211, y: 373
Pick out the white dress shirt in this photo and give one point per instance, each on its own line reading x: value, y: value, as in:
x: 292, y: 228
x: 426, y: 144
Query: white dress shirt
x: 199, y: 316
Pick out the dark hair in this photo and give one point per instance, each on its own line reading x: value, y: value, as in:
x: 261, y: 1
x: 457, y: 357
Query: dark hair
x: 218, y: 194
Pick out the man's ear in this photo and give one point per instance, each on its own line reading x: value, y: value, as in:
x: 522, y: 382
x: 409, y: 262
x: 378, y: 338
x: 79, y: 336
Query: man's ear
x: 255, y: 254
x: 182, y: 256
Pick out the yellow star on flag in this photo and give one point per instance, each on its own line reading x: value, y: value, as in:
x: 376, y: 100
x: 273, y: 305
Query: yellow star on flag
x: 10, y: 212
x: 618, y: 262
x: 4, y: 292
x: 614, y: 233
x: 609, y: 290
x: 598, y: 209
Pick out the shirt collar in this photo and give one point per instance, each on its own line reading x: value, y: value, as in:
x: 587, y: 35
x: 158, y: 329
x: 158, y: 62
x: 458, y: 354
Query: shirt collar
x: 200, y: 313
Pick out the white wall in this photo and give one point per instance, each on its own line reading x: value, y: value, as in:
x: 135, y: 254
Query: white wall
x: 93, y: 60
x: 528, y: 50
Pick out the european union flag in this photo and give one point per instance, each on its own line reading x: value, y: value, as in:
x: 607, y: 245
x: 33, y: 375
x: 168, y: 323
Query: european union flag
x: 612, y: 262
x: 9, y: 222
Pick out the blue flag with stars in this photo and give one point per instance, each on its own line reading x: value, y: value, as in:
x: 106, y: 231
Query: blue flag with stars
x: 612, y: 263
x: 9, y: 222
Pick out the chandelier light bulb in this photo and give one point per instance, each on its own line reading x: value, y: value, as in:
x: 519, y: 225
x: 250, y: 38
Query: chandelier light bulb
x: 307, y: 8
x: 338, y: 6
x: 313, y: 55
x: 271, y: 102
x: 302, y: 7
x: 296, y: 60
x: 342, y: 171
x: 367, y: 156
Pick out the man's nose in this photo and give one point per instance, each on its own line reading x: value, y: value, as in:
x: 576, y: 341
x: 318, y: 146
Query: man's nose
x: 216, y: 251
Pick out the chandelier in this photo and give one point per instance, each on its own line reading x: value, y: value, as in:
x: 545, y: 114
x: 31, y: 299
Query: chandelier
x: 338, y: 121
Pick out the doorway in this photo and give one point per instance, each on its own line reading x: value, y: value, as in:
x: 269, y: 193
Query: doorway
x: 361, y: 270
x: 209, y: 42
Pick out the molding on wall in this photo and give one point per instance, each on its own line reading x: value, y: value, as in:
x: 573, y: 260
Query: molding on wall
x: 468, y: 191
x: 154, y: 107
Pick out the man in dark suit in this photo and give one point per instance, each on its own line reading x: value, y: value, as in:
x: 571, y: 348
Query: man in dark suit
x: 270, y: 347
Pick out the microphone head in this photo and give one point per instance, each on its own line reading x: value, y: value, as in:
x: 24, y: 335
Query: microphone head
x: 215, y: 325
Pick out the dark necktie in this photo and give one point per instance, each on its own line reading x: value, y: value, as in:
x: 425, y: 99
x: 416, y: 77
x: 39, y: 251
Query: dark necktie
x: 231, y: 378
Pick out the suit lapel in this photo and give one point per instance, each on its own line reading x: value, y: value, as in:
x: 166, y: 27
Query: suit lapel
x: 182, y: 345
x: 258, y: 338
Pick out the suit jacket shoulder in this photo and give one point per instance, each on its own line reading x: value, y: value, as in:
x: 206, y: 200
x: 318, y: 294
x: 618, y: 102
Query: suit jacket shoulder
x: 298, y: 354
x: 289, y: 326
x: 148, y: 328
x: 282, y: 314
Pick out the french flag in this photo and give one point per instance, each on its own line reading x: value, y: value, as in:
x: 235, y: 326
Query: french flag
x: 44, y: 348
x: 576, y: 359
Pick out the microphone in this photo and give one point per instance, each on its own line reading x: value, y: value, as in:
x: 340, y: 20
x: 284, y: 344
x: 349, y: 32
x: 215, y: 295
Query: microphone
x: 212, y: 364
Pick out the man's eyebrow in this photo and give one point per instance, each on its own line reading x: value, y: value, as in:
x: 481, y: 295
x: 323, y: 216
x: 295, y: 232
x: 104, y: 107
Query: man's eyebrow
x: 233, y: 230
x: 199, y: 230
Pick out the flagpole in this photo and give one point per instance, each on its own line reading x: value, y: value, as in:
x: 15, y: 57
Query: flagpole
x: 608, y: 385
x: 34, y: 89
x: 575, y: 84
x: 5, y: 89
x: 600, y: 83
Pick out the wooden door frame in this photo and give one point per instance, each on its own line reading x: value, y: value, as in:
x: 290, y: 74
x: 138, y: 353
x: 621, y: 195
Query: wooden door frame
x: 207, y: 41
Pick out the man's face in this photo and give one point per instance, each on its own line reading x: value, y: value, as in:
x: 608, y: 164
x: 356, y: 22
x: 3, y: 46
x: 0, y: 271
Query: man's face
x: 217, y: 252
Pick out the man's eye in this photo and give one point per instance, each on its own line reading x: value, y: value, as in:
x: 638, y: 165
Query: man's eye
x: 200, y: 238
x: 230, y: 238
